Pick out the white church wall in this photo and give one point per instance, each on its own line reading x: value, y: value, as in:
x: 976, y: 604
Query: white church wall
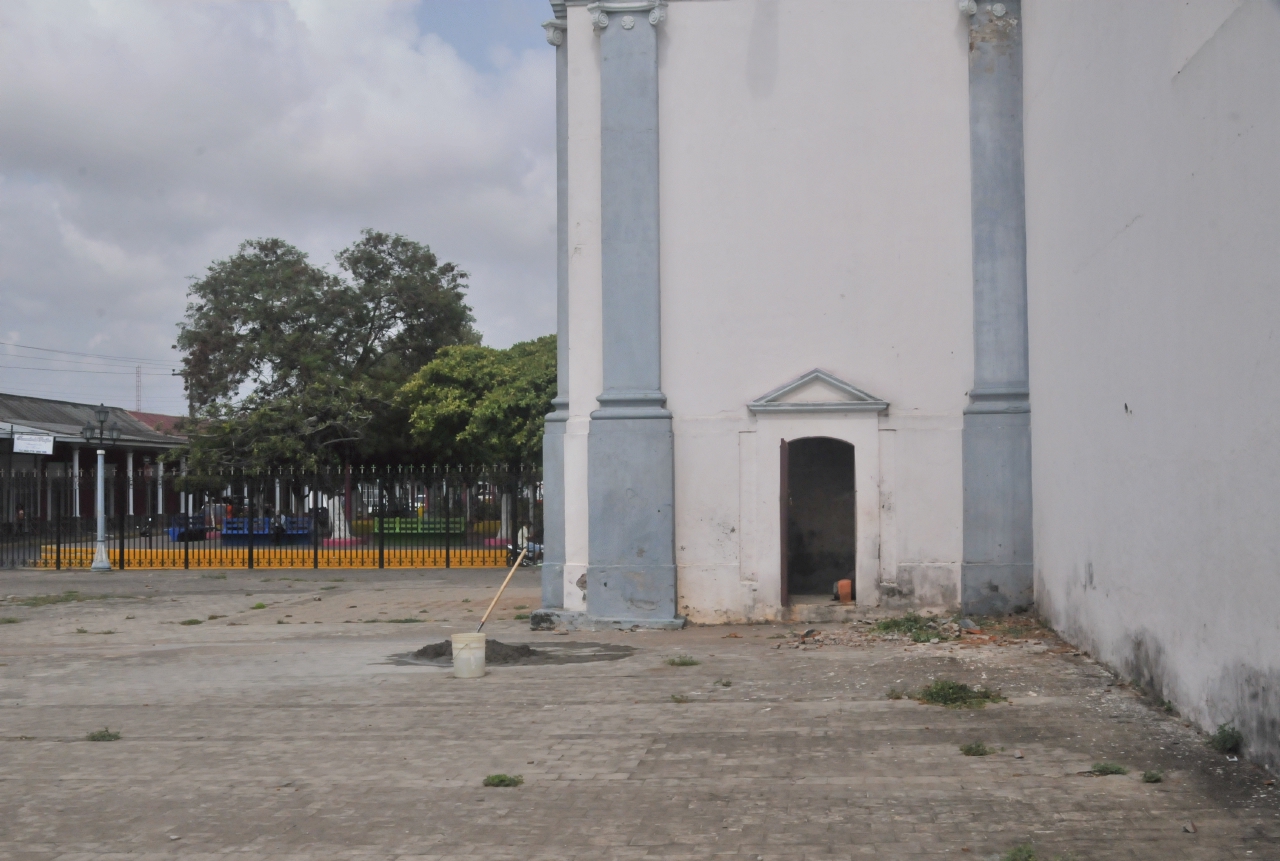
x: 1153, y: 207
x: 815, y: 213
x: 585, y: 349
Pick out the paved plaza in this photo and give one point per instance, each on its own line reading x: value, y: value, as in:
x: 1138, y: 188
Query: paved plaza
x: 295, y: 731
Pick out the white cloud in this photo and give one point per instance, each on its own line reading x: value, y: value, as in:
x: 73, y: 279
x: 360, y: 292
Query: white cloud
x: 139, y: 141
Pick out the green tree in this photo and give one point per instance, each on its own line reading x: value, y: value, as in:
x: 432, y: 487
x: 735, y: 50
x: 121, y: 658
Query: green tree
x: 287, y: 363
x: 474, y: 404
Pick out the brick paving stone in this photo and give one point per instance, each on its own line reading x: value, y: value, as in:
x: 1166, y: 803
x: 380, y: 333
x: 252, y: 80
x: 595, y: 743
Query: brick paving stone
x: 243, y: 737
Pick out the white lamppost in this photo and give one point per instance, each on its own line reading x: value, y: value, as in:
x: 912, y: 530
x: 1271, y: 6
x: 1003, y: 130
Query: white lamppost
x: 101, y: 562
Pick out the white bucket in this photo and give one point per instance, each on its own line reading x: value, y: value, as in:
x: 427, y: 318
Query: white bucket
x: 468, y: 656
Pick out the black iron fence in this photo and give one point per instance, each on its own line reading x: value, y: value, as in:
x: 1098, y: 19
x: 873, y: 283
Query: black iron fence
x: 401, y: 517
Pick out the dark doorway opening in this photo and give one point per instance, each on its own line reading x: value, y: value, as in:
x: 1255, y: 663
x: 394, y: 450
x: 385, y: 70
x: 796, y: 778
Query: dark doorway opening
x: 819, y: 516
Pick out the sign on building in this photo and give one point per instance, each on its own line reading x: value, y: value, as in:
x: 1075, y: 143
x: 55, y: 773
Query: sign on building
x: 32, y: 443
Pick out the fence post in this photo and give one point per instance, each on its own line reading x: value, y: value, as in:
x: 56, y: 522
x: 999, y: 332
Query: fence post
x: 185, y: 520
x: 448, y: 511
x: 120, y: 516
x: 382, y: 531
x: 57, y: 530
x: 248, y: 504
x: 315, y: 523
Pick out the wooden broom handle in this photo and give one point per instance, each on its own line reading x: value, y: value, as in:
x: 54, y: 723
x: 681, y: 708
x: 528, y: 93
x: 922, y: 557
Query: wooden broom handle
x: 510, y: 574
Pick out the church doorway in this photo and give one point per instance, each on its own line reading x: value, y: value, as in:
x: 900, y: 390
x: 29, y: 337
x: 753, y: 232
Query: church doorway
x: 819, y: 516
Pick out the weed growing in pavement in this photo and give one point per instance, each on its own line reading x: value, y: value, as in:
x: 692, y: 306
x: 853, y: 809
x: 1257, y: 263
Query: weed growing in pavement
x: 976, y: 748
x: 1025, y: 852
x: 82, y: 630
x: 213, y: 576
x: 258, y: 606
x: 327, y: 588
x: 682, y: 661
x: 104, y: 734
x: 776, y: 637
x: 64, y: 598
x: 724, y: 683
x: 955, y: 695
x: 404, y: 621
x: 1227, y: 739
x: 1103, y: 768
x: 1152, y: 777
x: 192, y: 622
x: 519, y: 617
x: 895, y: 694
x: 466, y: 600
x: 679, y: 698
x: 213, y: 616
x: 522, y: 606
x: 9, y: 620
x: 503, y: 780
x: 918, y: 628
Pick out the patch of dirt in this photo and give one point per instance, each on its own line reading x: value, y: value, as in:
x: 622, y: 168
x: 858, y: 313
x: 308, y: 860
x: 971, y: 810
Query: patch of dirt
x: 497, y: 653
x: 494, y: 652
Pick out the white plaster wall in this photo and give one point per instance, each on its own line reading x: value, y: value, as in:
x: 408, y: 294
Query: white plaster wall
x: 815, y: 213
x: 585, y: 348
x: 1153, y: 209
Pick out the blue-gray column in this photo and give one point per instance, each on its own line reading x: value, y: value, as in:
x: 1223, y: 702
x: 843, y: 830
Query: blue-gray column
x: 631, y: 574
x: 996, y: 574
x: 553, y: 438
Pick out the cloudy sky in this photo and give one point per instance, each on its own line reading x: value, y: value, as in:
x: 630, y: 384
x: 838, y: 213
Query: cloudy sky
x: 139, y: 141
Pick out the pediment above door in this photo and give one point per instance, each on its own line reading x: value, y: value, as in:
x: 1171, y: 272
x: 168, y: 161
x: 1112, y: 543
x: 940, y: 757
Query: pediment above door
x: 817, y: 392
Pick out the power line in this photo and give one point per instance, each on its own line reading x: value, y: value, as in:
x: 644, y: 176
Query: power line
x: 86, y: 355
x: 71, y: 361
x: 78, y: 371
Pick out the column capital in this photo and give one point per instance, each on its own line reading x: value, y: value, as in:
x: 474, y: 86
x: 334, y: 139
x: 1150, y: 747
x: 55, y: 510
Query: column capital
x: 628, y: 9
x: 555, y: 29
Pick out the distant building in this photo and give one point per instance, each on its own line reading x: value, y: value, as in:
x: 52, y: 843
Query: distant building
x: 40, y: 435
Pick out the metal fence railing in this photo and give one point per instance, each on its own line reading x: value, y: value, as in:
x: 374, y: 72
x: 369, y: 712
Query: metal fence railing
x: 392, y: 517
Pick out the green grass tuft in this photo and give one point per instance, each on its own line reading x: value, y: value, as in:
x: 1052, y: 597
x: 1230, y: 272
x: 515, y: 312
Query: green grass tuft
x: 192, y: 622
x: 956, y: 695
x: 258, y: 606
x: 1020, y: 853
x: 521, y: 616
x: 679, y: 698
x: 64, y: 598
x: 213, y: 576
x: 1227, y: 739
x: 503, y: 780
x: 682, y: 661
x: 9, y: 620
x: 1152, y: 777
x: 895, y: 694
x: 976, y: 748
x: 724, y: 683
x: 1108, y: 768
x: 919, y: 628
x: 104, y: 734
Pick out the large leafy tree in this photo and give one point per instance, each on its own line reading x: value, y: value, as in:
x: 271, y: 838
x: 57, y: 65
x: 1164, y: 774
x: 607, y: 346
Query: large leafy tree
x: 288, y: 363
x: 475, y: 404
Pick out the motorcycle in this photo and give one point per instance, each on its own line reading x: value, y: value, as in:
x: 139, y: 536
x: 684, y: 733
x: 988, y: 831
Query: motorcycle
x: 533, y: 557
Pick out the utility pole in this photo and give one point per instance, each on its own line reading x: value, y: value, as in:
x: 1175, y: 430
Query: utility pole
x: 137, y: 388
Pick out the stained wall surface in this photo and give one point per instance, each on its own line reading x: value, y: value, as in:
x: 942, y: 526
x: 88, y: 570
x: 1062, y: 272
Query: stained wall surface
x: 1153, y: 211
x: 815, y: 214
